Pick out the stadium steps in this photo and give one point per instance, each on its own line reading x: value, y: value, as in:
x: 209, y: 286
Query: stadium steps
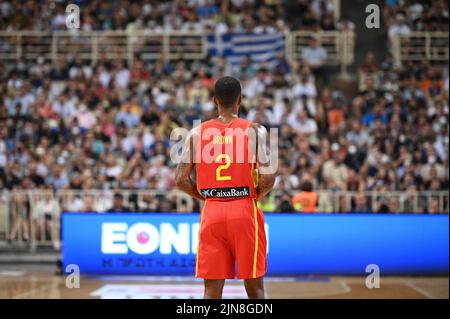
x: 22, y: 255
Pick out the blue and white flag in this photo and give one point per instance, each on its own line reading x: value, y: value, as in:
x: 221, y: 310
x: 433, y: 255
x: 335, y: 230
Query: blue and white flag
x: 237, y: 46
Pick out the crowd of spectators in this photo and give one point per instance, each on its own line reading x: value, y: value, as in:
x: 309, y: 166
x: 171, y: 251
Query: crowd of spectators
x: 213, y: 15
x: 74, y: 125
x: 404, y: 16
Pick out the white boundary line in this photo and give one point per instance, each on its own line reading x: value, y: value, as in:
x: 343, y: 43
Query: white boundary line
x: 420, y: 290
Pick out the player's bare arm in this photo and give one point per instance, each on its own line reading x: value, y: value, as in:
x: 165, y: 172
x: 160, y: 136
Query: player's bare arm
x: 184, y: 169
x: 266, y: 178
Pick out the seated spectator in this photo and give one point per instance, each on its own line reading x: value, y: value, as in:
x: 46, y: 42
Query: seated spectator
x: 433, y: 206
x: 361, y: 204
x: 304, y: 125
x: 399, y: 27
x: 89, y: 204
x: 118, y: 206
x: 128, y: 116
x: 344, y: 24
x: 148, y: 203
x: 71, y: 202
x: 284, y: 204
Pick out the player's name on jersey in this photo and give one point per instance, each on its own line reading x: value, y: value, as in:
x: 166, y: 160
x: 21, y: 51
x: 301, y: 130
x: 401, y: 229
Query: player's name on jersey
x: 220, y: 139
x: 227, y: 192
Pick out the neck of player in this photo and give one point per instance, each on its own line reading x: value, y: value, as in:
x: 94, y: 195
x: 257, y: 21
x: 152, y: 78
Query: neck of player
x: 227, y: 114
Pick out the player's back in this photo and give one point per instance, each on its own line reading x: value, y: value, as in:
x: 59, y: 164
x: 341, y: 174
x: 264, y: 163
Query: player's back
x: 232, y: 237
x: 225, y: 161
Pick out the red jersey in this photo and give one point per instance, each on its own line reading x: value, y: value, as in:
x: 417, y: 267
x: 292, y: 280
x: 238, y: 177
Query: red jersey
x: 225, y: 162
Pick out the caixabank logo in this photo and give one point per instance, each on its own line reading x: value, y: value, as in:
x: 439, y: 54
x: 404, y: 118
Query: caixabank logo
x: 226, y: 192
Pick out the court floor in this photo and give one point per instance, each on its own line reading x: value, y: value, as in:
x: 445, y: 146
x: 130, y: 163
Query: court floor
x: 38, y: 283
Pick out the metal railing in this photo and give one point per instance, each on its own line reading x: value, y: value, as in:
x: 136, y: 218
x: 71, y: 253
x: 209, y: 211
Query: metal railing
x: 150, y: 45
x: 420, y: 46
x: 338, y: 45
x: 110, y: 45
x: 32, y: 218
x: 396, y: 202
x: 107, y: 45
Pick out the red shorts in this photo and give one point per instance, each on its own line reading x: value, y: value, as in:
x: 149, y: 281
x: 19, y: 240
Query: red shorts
x: 232, y: 236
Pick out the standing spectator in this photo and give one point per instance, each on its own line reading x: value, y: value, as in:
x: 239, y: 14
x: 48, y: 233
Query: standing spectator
x: 335, y: 171
x: 86, y: 118
x: 46, y: 211
x: 306, y: 200
x: 20, y: 208
x: 304, y: 125
x: 315, y: 57
x: 58, y: 178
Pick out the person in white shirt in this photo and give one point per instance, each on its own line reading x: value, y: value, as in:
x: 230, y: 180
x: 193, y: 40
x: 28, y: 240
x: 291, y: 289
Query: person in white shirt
x: 72, y: 203
x: 122, y: 76
x: 65, y: 108
x: 303, y: 125
x: 399, y: 27
x: 256, y: 85
x: 304, y: 87
x: 315, y: 56
x: 45, y: 212
x: 261, y: 108
x: 304, y: 93
x: 317, y: 5
x: 104, y: 76
x: 26, y: 100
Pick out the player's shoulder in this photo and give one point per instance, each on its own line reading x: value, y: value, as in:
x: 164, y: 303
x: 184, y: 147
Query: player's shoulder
x: 257, y: 132
x: 243, y: 122
x: 235, y: 122
x: 259, y: 128
x: 209, y: 122
x: 238, y: 122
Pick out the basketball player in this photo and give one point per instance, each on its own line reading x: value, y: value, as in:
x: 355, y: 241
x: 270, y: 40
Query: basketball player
x: 230, y: 179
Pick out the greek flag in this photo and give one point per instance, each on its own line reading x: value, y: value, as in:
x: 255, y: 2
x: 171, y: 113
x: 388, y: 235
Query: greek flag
x: 237, y: 46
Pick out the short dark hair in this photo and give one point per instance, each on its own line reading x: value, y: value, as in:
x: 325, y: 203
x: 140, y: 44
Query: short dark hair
x: 118, y: 196
x: 227, y: 90
x: 306, y: 186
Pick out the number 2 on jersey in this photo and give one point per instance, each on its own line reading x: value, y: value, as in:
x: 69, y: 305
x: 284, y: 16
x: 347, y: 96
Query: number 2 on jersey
x: 222, y: 167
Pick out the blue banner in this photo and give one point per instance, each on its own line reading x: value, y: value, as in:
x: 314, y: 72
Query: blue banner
x: 298, y: 244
